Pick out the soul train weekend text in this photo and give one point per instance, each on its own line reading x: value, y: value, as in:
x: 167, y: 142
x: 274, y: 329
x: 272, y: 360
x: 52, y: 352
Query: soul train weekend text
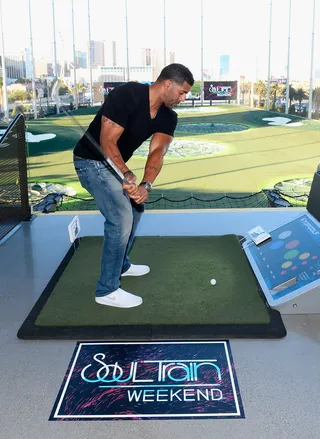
x: 150, y: 381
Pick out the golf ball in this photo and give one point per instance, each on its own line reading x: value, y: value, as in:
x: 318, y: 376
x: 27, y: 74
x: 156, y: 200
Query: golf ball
x: 213, y: 281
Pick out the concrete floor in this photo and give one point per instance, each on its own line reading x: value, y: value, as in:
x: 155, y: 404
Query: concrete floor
x: 279, y: 380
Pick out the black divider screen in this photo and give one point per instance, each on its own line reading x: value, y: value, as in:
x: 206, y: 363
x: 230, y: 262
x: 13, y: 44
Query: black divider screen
x: 14, y: 204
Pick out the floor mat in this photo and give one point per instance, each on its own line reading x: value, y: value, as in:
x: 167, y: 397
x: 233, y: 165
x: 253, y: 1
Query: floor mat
x: 178, y: 298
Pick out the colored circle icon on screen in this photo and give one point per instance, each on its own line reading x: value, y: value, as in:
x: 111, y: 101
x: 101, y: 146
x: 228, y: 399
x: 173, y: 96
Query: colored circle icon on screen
x: 285, y: 234
x: 277, y: 244
x: 292, y: 244
x: 304, y: 256
x: 291, y: 254
x: 286, y: 264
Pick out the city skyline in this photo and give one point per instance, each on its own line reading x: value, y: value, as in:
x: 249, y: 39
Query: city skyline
x: 20, y: 66
x: 244, y: 40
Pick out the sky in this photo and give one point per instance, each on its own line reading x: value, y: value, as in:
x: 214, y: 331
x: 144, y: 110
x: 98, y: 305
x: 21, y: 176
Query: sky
x: 230, y: 27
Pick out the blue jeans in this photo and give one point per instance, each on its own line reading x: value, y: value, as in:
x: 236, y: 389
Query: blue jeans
x: 121, y: 214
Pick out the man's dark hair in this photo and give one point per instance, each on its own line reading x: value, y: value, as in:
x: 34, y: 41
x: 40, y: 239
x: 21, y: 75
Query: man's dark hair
x: 177, y: 73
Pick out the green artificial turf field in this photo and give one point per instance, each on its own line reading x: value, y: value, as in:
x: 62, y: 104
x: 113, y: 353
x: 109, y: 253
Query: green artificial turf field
x: 249, y: 161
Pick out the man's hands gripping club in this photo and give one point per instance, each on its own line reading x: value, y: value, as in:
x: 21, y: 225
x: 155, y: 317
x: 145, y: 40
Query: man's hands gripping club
x: 138, y: 193
x: 158, y: 147
x: 109, y: 136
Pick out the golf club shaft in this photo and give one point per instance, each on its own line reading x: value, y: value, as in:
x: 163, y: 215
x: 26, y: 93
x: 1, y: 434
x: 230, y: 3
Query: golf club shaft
x: 98, y: 149
x: 106, y: 160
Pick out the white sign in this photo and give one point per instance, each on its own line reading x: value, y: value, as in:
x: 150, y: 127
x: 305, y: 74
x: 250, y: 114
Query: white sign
x: 74, y: 228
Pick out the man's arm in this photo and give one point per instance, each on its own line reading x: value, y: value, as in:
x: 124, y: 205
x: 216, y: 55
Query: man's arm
x: 158, y: 147
x: 109, y: 136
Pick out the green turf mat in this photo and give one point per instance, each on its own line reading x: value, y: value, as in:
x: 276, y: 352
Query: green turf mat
x: 176, y: 293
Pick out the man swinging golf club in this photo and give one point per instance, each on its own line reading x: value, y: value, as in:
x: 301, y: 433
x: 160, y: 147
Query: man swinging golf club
x: 131, y: 114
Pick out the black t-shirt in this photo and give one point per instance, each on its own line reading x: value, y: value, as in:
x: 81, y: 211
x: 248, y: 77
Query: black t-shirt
x: 127, y: 105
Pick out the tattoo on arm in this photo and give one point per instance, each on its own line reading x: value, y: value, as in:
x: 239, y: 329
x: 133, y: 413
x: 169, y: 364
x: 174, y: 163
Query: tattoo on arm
x: 109, y: 122
x: 153, y: 168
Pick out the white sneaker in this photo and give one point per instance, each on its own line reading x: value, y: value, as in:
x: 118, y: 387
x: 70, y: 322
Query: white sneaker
x: 136, y: 270
x: 120, y: 299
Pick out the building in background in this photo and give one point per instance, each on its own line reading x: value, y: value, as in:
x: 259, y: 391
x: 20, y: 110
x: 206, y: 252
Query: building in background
x: 20, y: 66
x: 141, y: 73
x: 117, y: 73
x: 111, y: 74
x: 27, y: 57
x: 152, y: 58
x: 156, y: 62
x: 316, y: 82
x: 110, y: 53
x: 146, y: 57
x: 50, y: 69
x: 15, y: 67
x: 67, y: 67
x: 224, y: 66
x: 114, y: 53
x: 81, y: 59
x: 96, y: 50
x: 100, y: 74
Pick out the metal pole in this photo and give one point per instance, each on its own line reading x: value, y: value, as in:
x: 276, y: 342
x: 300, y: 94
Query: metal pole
x: 74, y: 61
x: 311, y: 67
x: 288, y: 63
x: 164, y: 35
x: 4, y: 73
x: 251, y: 93
x: 55, y: 53
x: 34, y: 97
x: 201, y: 80
x: 127, y: 42
x: 269, y: 60
x: 90, y: 57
